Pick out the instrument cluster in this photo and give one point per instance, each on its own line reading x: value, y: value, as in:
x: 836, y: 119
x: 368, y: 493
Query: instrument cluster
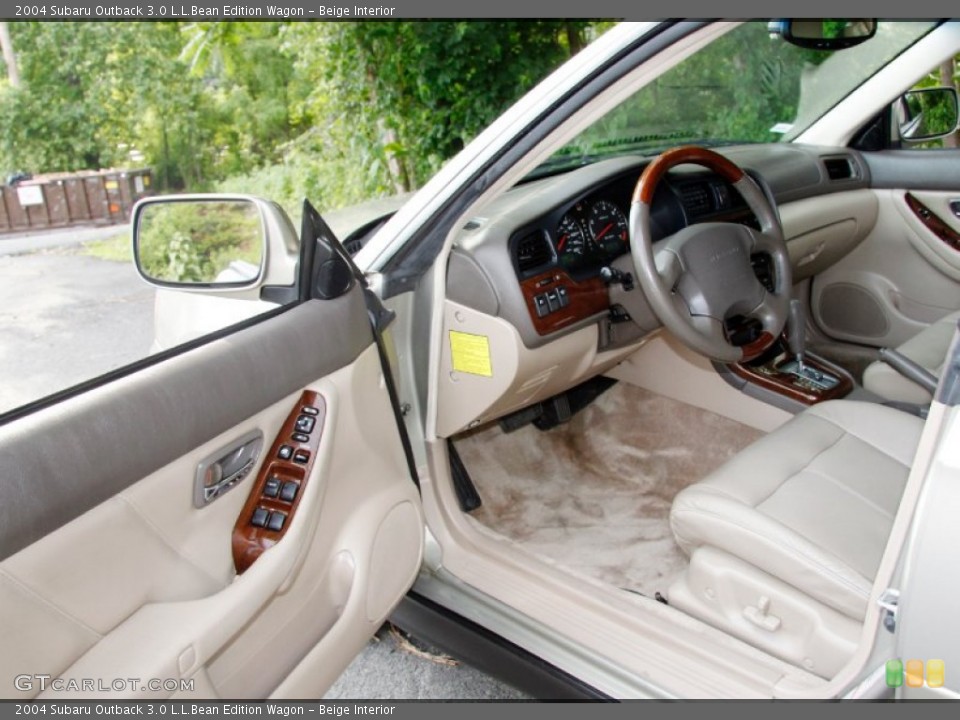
x: 591, y: 233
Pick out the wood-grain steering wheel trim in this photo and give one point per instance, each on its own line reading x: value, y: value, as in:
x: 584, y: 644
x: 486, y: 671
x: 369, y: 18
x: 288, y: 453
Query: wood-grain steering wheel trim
x: 650, y: 178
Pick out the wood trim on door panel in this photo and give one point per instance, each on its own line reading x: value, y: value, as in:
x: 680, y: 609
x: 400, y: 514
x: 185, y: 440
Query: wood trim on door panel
x: 250, y: 541
x: 933, y: 222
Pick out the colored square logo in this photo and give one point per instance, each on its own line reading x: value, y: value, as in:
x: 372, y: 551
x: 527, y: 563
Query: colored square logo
x: 894, y: 673
x: 914, y: 673
x: 935, y: 673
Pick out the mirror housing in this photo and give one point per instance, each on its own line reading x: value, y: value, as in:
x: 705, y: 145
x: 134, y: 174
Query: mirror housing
x: 927, y: 114
x: 213, y: 243
x: 824, y: 33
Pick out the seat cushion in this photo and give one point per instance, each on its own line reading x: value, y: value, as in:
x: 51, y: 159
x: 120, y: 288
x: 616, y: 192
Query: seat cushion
x: 812, y: 503
x: 927, y: 348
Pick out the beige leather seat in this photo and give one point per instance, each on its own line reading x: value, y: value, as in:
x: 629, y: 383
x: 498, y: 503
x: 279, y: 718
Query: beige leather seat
x: 928, y: 348
x: 785, y: 538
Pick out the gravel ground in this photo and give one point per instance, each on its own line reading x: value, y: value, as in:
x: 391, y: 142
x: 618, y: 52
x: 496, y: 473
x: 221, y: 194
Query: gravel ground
x: 392, y: 668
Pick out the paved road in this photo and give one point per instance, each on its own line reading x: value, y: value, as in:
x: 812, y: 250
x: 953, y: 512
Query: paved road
x: 15, y: 244
x: 66, y: 317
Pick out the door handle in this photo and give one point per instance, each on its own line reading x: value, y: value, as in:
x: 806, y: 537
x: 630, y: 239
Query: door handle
x: 955, y: 207
x: 221, y: 471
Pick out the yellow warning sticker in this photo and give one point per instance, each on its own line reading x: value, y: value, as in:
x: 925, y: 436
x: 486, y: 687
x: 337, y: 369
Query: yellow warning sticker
x: 471, y: 353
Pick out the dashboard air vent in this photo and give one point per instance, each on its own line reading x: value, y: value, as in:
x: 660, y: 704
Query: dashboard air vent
x: 696, y: 198
x: 533, y: 251
x: 839, y: 168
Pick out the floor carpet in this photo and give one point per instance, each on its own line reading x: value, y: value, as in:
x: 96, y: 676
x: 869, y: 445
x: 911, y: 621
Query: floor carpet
x: 594, y: 495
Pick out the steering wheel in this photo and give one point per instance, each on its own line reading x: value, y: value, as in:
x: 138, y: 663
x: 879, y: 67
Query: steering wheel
x: 701, y: 278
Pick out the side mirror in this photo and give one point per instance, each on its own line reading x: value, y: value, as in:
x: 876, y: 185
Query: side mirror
x: 927, y: 114
x: 212, y: 242
x: 824, y: 33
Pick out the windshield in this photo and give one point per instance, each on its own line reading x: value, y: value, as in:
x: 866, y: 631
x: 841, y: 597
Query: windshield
x: 746, y: 86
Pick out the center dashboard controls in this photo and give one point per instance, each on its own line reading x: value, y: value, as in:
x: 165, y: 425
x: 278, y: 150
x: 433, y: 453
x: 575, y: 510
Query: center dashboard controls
x: 551, y: 301
x: 278, y: 489
x: 559, y: 267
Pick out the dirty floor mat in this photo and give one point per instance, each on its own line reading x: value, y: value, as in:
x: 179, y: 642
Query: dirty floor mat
x: 594, y: 495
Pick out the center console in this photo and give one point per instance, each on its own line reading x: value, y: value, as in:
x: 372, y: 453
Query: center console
x: 788, y: 370
x: 812, y: 381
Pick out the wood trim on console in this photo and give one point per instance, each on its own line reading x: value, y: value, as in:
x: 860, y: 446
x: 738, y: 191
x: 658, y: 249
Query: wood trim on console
x: 585, y: 298
x: 933, y: 222
x: 759, y: 346
x: 768, y: 377
x: 250, y: 541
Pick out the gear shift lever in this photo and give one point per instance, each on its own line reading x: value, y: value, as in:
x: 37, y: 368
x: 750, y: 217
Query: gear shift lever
x: 796, y: 333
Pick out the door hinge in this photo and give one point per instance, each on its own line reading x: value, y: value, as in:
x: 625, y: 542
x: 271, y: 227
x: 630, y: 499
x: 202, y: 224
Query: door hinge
x: 889, y: 602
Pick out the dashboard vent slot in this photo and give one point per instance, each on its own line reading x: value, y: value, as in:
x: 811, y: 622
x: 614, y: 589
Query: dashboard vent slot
x: 696, y: 198
x: 839, y: 168
x: 533, y: 251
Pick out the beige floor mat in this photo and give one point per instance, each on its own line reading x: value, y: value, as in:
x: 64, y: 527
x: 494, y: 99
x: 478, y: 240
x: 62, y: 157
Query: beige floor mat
x: 594, y: 495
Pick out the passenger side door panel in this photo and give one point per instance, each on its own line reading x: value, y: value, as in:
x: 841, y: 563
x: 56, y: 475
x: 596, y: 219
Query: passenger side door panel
x: 904, y: 275
x: 111, y: 571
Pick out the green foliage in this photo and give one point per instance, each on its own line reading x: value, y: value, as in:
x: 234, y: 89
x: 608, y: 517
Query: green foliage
x: 114, y: 249
x: 338, y: 112
x: 93, y: 91
x: 393, y: 101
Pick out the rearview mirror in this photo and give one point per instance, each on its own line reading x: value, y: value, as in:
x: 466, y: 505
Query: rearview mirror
x: 200, y: 241
x: 824, y: 33
x: 927, y: 114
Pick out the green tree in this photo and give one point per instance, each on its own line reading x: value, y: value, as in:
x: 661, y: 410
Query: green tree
x: 398, y: 99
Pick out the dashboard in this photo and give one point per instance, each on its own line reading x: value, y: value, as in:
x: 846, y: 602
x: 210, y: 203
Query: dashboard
x: 525, y: 275
x: 536, y: 257
x: 560, y: 257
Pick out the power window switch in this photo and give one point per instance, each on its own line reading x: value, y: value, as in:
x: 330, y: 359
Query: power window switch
x: 259, y: 518
x: 271, y: 487
x: 285, y: 452
x: 541, y: 306
x: 289, y: 491
x: 276, y: 521
x: 563, y: 297
x: 553, y: 300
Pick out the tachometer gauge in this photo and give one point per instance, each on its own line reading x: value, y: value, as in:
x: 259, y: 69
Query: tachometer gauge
x: 573, y: 246
x: 608, y: 227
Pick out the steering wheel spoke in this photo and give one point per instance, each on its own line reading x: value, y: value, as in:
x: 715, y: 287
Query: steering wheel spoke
x: 669, y: 268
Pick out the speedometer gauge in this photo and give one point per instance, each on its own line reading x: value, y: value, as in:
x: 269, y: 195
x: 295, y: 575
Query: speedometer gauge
x: 608, y: 227
x: 573, y: 246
